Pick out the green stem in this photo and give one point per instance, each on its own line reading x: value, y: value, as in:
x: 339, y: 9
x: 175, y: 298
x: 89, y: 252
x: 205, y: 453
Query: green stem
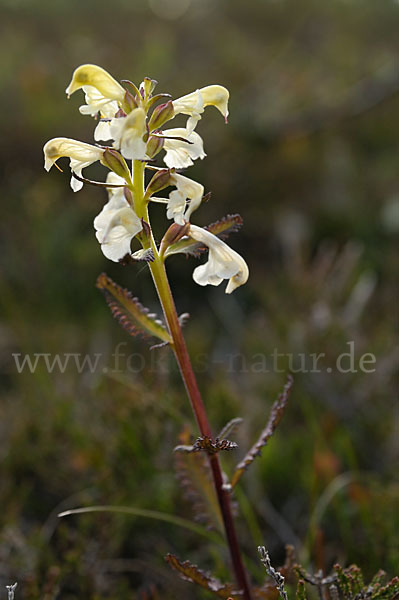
x: 179, y: 347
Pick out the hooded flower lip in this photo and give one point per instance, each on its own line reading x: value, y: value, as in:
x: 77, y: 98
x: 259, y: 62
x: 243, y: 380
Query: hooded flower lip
x: 194, y: 104
x: 102, y: 94
x: 186, y: 189
x: 81, y: 155
x: 223, y: 262
x: 99, y: 78
x: 181, y: 154
x: 128, y: 134
x: 117, y: 224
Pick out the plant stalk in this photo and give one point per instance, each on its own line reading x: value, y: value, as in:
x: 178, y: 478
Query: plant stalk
x: 179, y: 347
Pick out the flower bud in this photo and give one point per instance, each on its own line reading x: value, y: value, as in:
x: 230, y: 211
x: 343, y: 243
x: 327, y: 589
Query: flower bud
x: 161, y: 180
x: 128, y: 196
x: 148, y: 86
x: 154, y: 145
x: 173, y: 235
x: 132, y: 88
x: 161, y: 114
x: 115, y: 161
x: 146, y: 229
x: 129, y: 102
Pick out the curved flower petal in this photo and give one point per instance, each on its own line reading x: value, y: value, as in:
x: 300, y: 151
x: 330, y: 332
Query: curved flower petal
x: 97, y: 77
x: 187, y: 189
x: 128, y: 134
x: 97, y: 103
x: 81, y: 155
x: 180, y: 154
x: 223, y: 262
x: 102, y: 132
x: 116, y: 225
x: 193, y: 104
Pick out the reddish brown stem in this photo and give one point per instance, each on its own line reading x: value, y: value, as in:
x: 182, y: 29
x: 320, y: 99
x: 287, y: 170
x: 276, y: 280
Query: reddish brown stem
x: 190, y: 382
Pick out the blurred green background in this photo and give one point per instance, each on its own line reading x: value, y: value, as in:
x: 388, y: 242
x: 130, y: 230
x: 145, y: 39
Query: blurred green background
x: 310, y: 161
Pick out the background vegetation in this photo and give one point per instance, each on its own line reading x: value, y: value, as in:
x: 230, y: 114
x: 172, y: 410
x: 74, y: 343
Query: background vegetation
x: 309, y: 159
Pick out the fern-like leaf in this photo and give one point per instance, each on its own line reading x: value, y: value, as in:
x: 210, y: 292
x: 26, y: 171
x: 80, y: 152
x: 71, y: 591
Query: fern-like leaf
x: 277, y: 412
x: 230, y: 428
x: 192, y: 573
x: 127, y: 310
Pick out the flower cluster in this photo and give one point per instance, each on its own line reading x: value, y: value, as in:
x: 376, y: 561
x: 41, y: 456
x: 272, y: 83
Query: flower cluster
x: 131, y: 122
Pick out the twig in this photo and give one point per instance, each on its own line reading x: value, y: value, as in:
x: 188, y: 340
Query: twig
x: 275, y: 575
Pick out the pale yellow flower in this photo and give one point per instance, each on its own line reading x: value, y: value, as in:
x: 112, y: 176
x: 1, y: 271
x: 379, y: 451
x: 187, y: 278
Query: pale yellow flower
x: 103, y: 94
x: 223, y: 262
x: 99, y: 78
x: 194, y: 104
x: 117, y: 224
x: 187, y: 189
x: 181, y: 154
x: 81, y: 155
x: 128, y: 134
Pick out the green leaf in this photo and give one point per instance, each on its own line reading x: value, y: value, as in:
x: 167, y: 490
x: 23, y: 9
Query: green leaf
x: 148, y: 514
x: 128, y: 311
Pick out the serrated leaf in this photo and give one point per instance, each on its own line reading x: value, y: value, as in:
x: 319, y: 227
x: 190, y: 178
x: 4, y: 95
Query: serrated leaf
x: 222, y: 229
x: 225, y: 226
x: 127, y: 310
x: 276, y: 415
x: 194, y: 474
x: 192, y: 573
x: 231, y: 427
